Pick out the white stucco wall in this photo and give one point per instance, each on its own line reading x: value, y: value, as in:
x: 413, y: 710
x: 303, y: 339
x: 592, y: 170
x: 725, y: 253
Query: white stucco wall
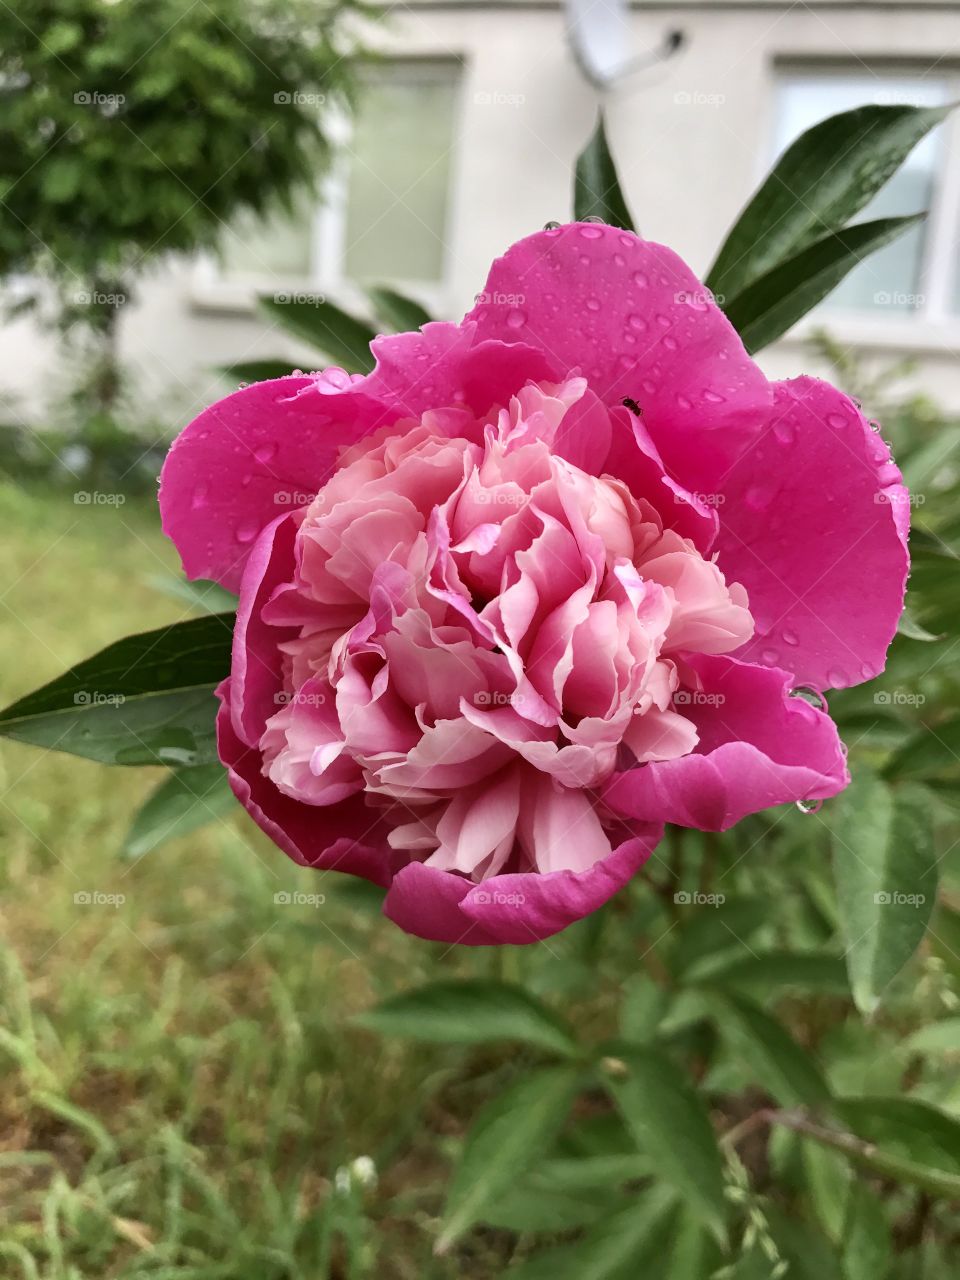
x: 686, y: 167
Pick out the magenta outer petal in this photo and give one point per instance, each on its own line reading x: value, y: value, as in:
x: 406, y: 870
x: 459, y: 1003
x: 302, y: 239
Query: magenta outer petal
x: 758, y: 747
x: 250, y: 457
x: 340, y: 837
x: 645, y: 328
x: 517, y: 908
x: 813, y: 524
x: 256, y: 666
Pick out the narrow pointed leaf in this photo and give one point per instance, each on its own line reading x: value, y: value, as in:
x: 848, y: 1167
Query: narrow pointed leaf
x: 471, y: 1012
x: 146, y: 699
x: 257, y: 370
x: 596, y: 187
x: 669, y: 1122
x: 820, y: 182
x: 399, y: 313
x: 786, y: 1070
x: 341, y: 337
x: 886, y: 874
x: 511, y: 1132
x: 186, y: 800
x: 774, y: 302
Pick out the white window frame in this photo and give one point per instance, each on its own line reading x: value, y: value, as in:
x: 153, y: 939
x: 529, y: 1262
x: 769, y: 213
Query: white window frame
x: 934, y: 325
x: 211, y: 290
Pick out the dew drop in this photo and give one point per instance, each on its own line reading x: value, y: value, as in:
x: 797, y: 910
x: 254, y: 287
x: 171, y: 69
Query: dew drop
x: 246, y: 480
x: 813, y: 697
x: 837, y: 678
x: 637, y: 323
x: 592, y: 232
x: 684, y: 403
x: 836, y: 420
x: 247, y: 531
x: 628, y: 242
x: 516, y: 319
x: 784, y: 432
x: 584, y: 260
x: 770, y: 657
x: 758, y: 499
x: 648, y: 386
x: 671, y: 344
x: 551, y: 226
x: 619, y: 260
x: 790, y: 637
x: 593, y: 304
x: 874, y: 425
x: 664, y: 322
x: 265, y: 452
x: 641, y: 279
x: 713, y: 397
x: 809, y: 806
x: 200, y: 495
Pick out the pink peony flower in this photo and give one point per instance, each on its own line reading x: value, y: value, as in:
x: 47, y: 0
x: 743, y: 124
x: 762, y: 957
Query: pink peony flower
x: 540, y: 583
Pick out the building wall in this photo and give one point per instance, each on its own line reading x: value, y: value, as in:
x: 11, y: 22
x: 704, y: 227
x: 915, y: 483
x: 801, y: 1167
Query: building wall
x: 691, y: 138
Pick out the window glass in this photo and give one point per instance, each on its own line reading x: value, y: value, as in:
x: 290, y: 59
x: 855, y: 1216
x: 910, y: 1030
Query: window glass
x: 399, y: 173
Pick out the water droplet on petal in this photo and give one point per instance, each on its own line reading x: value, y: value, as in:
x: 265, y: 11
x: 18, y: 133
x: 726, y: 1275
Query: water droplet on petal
x: 809, y: 806
x: 264, y: 452
x: 200, y: 495
x: 619, y: 260
x: 637, y: 323
x: 592, y: 232
x: 593, y: 304
x: 784, y: 431
x: 641, y: 279
x: 712, y: 397
x: 757, y: 498
x: 875, y: 425
x: 790, y: 637
x: 837, y: 678
x: 684, y: 403
x: 628, y: 242
x: 516, y: 318
x: 551, y: 226
x: 664, y: 322
x: 836, y: 420
x: 246, y: 480
x: 648, y: 385
x: 247, y: 531
x: 670, y: 343
x: 810, y: 695
x: 770, y: 657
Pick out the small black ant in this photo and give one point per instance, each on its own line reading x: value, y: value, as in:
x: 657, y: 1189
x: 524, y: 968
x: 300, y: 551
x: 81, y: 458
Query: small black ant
x: 631, y: 405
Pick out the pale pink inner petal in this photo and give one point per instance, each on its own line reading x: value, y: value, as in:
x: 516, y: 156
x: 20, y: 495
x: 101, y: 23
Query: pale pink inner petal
x: 485, y: 633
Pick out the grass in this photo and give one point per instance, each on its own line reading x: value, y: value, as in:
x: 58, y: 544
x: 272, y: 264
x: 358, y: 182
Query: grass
x: 180, y: 1079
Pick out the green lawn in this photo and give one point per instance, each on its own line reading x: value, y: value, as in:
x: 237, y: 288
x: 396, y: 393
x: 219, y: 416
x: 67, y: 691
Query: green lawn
x: 179, y: 1077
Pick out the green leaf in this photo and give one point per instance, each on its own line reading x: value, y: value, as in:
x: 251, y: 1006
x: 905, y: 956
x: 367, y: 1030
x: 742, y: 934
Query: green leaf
x: 626, y: 1244
x: 342, y: 337
x: 596, y: 187
x: 766, y: 971
x: 936, y: 1039
x: 471, y: 1012
x: 866, y: 1236
x: 785, y: 1069
x: 907, y: 1128
x: 669, y: 1123
x: 829, y: 174
x: 257, y: 370
x: 201, y: 595
x: 186, y: 800
x: 908, y: 626
x: 399, y: 313
x: 931, y: 752
x: 512, y: 1130
x: 146, y: 699
x: 886, y: 875
x: 772, y: 303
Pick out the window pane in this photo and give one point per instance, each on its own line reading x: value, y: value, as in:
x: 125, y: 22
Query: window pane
x: 279, y: 246
x: 399, y: 172
x: 889, y: 280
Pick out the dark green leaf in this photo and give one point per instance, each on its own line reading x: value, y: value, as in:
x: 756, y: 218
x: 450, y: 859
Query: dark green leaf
x: 907, y: 1128
x: 670, y: 1124
x: 399, y: 313
x: 342, y: 337
x: 886, y: 874
x: 770, y: 304
x: 146, y: 699
x: 471, y: 1012
x: 785, y: 1069
x: 766, y: 971
x: 932, y: 752
x: 820, y: 182
x: 186, y: 800
x: 626, y: 1244
x: 511, y: 1132
x: 866, y: 1236
x: 257, y: 370
x: 596, y: 187
x: 908, y: 626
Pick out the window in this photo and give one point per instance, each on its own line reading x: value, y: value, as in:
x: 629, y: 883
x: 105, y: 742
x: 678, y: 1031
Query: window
x: 895, y: 280
x: 386, y: 208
